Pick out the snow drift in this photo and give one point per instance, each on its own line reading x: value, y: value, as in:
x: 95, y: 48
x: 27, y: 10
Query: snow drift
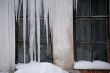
x: 35, y: 67
x: 92, y: 65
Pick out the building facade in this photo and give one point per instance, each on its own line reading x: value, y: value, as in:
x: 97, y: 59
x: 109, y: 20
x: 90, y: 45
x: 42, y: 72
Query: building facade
x: 80, y: 31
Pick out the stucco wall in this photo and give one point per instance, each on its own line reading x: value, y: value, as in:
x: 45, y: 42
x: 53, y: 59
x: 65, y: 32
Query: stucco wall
x: 63, y: 33
x: 7, y: 39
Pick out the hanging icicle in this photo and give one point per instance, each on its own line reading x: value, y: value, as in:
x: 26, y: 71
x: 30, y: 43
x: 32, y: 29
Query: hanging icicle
x: 32, y: 27
x: 34, y: 15
x: 16, y: 2
x: 19, y: 11
x: 46, y: 9
x: 76, y: 5
x: 38, y: 13
x: 24, y: 27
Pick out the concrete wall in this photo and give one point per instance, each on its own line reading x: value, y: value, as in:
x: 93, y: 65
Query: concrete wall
x: 7, y: 35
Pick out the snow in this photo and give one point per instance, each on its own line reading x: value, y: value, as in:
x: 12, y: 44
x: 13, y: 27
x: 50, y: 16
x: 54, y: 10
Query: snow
x: 35, y: 67
x: 91, y: 65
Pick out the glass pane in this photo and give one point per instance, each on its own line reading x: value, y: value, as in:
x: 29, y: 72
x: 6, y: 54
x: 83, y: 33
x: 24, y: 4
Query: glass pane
x: 20, y: 53
x: 83, y: 30
x: 83, y: 8
x: 83, y: 52
x: 100, y: 51
x: 19, y: 29
x: 42, y: 32
x: 19, y: 43
x: 99, y: 28
x: 99, y: 7
x: 44, y: 53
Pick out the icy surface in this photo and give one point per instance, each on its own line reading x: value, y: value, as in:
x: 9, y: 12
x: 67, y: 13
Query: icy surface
x: 35, y: 67
x: 91, y: 65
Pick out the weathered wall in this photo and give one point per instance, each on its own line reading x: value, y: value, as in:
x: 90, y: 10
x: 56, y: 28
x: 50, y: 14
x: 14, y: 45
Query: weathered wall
x: 63, y: 33
x: 6, y: 35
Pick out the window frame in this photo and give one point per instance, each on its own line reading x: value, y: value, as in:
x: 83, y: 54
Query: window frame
x: 90, y: 18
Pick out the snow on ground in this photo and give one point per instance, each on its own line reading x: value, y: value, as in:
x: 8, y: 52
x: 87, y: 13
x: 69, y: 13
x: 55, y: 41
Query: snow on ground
x: 35, y: 67
x: 91, y: 65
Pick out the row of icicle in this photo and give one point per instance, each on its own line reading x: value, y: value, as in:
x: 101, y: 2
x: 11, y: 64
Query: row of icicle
x: 34, y: 12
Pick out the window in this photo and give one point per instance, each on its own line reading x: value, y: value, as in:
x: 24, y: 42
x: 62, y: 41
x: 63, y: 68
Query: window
x: 91, y: 30
x: 46, y: 54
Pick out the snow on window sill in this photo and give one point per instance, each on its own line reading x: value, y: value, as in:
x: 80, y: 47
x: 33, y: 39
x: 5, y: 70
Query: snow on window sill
x: 35, y: 67
x: 95, y: 65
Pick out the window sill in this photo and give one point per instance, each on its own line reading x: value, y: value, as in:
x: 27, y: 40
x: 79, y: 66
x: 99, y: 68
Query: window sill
x: 95, y: 65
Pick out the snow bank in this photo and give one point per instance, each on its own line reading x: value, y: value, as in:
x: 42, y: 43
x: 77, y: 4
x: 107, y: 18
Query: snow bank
x: 35, y: 67
x: 91, y: 65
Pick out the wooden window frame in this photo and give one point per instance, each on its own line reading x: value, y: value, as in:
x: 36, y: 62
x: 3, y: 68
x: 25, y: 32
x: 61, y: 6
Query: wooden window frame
x: 91, y: 17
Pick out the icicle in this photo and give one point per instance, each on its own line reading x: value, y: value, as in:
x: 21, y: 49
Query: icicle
x: 24, y: 26
x: 19, y: 10
x: 76, y: 5
x: 16, y: 7
x: 38, y: 12
x: 46, y: 8
x: 51, y: 11
x: 32, y: 27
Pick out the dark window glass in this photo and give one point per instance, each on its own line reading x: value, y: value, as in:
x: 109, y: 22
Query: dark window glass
x: 44, y: 51
x: 83, y: 8
x: 99, y: 7
x: 83, y: 29
x: 100, y: 51
x: 91, y: 30
x: 99, y: 36
x: 83, y: 51
x: 99, y: 28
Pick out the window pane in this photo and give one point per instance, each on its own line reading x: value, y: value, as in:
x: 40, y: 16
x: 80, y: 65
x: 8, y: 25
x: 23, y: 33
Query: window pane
x: 99, y: 34
x: 83, y: 30
x: 19, y: 43
x: 99, y: 28
x: 83, y: 8
x: 99, y: 7
x: 100, y: 51
x: 83, y: 52
x: 20, y: 53
x: 83, y: 38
